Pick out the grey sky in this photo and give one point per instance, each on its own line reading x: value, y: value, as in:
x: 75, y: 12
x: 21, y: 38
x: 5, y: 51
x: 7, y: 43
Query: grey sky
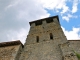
x: 15, y: 16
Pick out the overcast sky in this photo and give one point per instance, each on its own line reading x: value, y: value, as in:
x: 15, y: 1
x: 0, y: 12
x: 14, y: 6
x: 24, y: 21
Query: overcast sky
x: 15, y: 16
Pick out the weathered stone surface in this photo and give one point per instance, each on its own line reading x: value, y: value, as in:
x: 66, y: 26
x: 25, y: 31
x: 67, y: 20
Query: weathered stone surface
x: 48, y: 46
x: 75, y: 45
x: 10, y: 52
x: 45, y: 41
x: 42, y: 51
x: 67, y: 52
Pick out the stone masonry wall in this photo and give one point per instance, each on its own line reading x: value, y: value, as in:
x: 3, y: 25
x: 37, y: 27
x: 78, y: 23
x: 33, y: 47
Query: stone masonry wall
x: 8, y: 52
x: 75, y: 45
x: 46, y: 48
x: 67, y: 52
x: 43, y: 32
x: 45, y: 41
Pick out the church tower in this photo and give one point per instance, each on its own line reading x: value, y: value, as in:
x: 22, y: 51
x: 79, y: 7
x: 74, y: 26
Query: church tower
x: 45, y: 41
x: 47, y: 29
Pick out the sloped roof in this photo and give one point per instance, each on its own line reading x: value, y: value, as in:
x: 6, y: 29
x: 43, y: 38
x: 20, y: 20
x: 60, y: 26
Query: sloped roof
x: 73, y: 40
x: 10, y: 43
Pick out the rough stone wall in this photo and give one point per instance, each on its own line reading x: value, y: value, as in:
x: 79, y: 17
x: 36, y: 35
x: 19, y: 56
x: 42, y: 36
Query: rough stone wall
x: 45, y: 41
x: 67, y: 52
x: 46, y: 48
x: 19, y: 52
x: 75, y: 45
x: 9, y: 52
x: 44, y: 30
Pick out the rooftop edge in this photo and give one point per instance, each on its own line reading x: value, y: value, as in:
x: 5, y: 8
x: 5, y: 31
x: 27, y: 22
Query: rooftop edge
x: 39, y: 20
x: 10, y: 43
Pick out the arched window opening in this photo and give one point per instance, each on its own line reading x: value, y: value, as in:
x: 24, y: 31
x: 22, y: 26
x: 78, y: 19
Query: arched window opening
x: 51, y: 36
x: 37, y: 39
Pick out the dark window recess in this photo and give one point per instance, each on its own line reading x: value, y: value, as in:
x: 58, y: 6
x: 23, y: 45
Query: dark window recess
x: 38, y: 22
x: 49, y: 20
x: 51, y: 36
x: 37, y: 39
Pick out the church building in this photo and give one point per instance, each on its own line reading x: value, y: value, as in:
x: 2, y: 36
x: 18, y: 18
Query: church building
x: 45, y: 41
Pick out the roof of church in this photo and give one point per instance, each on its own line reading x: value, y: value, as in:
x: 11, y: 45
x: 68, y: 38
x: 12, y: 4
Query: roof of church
x: 10, y: 43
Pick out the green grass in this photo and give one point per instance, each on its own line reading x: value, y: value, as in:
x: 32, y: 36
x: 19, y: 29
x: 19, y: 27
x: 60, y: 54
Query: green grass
x: 77, y: 54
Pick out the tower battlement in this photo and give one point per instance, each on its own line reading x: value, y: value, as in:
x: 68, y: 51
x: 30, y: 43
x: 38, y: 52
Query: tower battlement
x: 54, y: 19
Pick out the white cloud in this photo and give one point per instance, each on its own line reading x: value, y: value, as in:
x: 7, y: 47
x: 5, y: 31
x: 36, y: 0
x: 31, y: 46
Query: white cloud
x: 15, y: 18
x: 67, y: 17
x: 55, y: 5
x: 74, y: 7
x: 69, y: 13
x: 65, y: 9
x: 62, y: 7
x: 18, y: 35
x: 28, y: 9
x: 73, y: 34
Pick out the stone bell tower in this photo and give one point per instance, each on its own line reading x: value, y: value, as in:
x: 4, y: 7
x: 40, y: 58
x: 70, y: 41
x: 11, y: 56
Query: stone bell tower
x: 43, y: 40
x: 47, y: 29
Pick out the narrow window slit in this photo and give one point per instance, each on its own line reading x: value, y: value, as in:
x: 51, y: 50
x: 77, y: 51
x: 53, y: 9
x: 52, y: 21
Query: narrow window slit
x: 51, y: 36
x: 37, y: 39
